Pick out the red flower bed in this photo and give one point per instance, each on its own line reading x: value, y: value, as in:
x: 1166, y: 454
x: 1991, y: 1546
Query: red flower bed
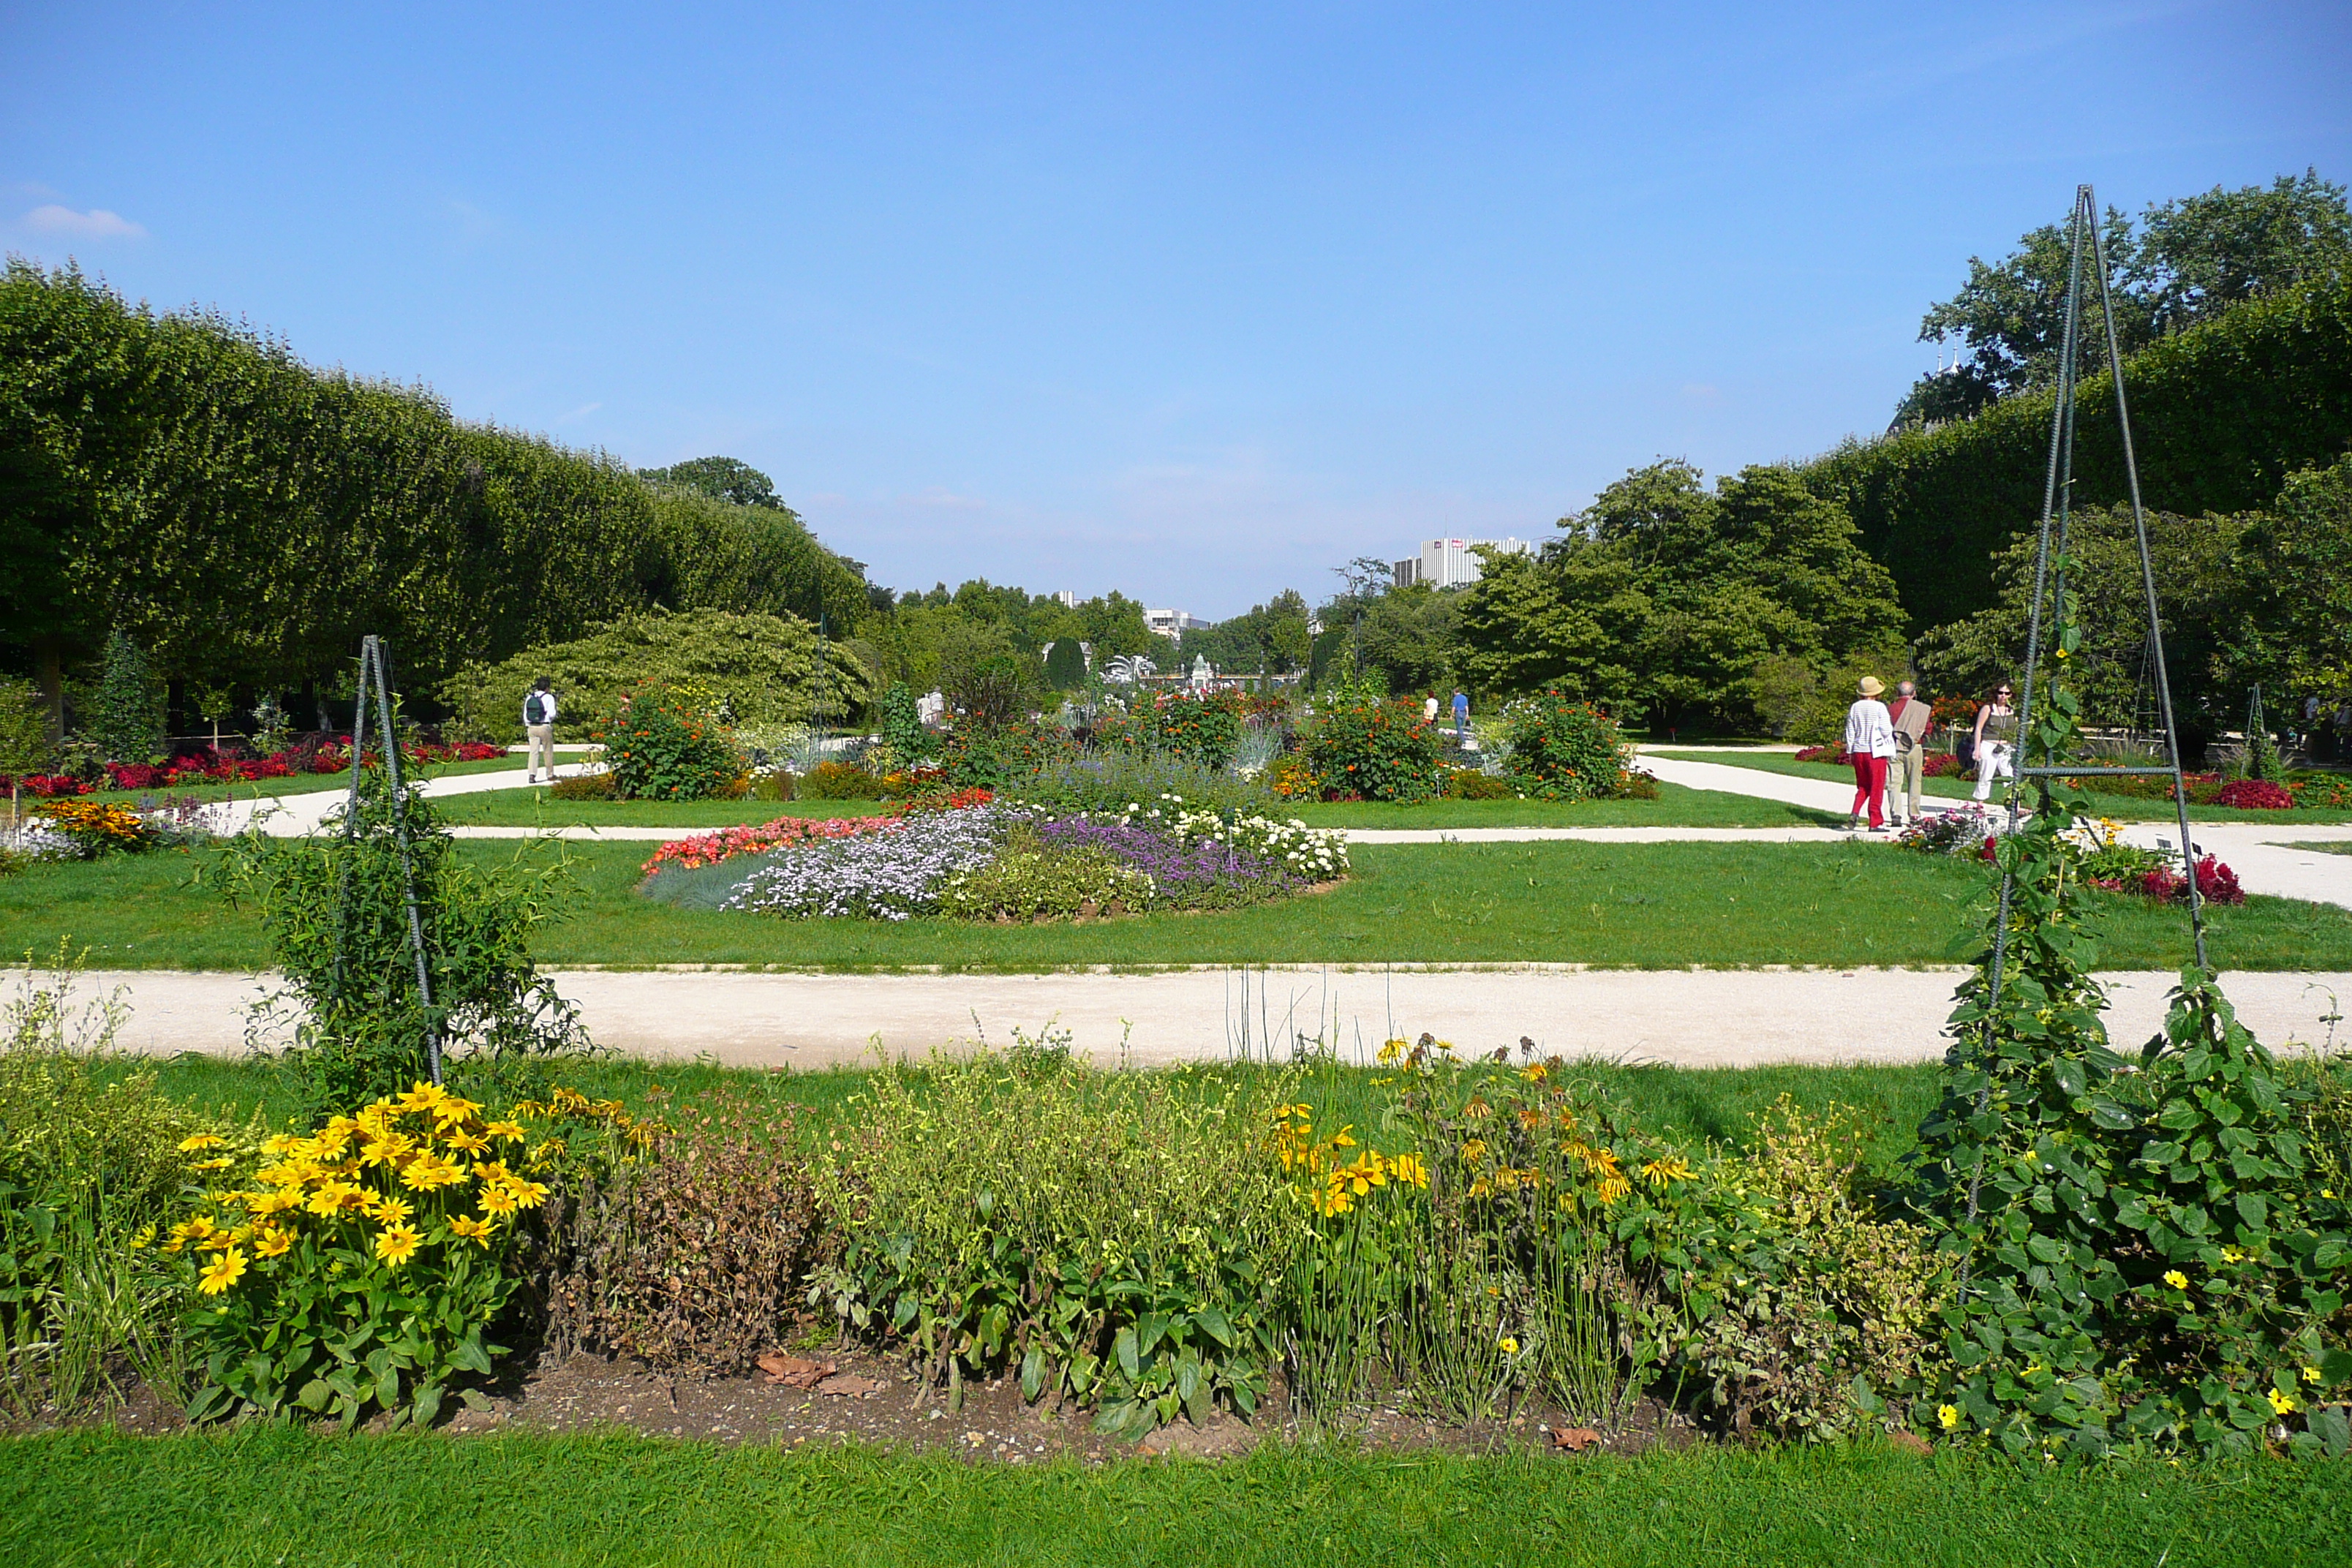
x: 2215, y: 884
x: 2254, y: 795
x: 45, y: 785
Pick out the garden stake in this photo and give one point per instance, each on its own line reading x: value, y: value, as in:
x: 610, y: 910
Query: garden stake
x: 2057, y: 499
x: 372, y: 661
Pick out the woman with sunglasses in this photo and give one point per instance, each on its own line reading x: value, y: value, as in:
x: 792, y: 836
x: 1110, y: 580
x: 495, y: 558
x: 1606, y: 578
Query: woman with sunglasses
x: 1996, y: 741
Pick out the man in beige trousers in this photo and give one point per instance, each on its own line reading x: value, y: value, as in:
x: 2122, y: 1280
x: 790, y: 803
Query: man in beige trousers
x: 538, y: 731
x: 1913, y: 719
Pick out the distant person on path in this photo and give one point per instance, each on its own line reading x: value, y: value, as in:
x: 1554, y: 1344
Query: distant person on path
x: 1429, y: 709
x: 1869, y: 745
x: 1914, y: 721
x: 1996, y: 741
x: 1461, y: 715
x: 539, y: 729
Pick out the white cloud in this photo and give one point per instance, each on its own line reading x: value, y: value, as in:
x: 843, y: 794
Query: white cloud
x: 95, y: 223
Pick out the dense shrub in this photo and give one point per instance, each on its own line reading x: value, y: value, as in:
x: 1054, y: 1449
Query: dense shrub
x: 997, y: 756
x: 1566, y: 750
x: 840, y: 781
x: 1029, y: 880
x: 1113, y: 1236
x: 691, y: 1255
x: 902, y: 725
x: 662, y: 742
x: 584, y: 786
x: 1200, y: 727
x: 1374, y: 750
x: 1469, y: 784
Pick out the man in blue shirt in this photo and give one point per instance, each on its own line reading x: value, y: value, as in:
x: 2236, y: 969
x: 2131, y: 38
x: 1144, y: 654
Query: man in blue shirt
x: 1461, y: 714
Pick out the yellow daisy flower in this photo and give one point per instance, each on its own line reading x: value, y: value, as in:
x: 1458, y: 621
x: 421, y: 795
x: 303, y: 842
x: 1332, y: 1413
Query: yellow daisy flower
x: 225, y: 1270
x: 201, y: 1141
x: 397, y: 1244
x: 465, y: 1228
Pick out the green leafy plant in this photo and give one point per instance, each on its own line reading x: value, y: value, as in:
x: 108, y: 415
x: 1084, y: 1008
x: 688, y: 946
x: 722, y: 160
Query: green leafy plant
x: 902, y: 725
x: 1025, y: 882
x: 1566, y: 750
x: 1111, y: 1237
x: 840, y: 781
x: 335, y: 907
x: 126, y: 720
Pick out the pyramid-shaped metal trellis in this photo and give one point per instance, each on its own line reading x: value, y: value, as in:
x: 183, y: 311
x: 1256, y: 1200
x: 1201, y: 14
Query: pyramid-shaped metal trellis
x: 2050, y: 585
x: 374, y: 684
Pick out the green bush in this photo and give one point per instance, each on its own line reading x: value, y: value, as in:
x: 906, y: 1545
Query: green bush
x: 1114, y: 1237
x: 1108, y: 782
x: 336, y: 911
x: 1203, y: 727
x: 584, y: 786
x: 126, y: 720
x: 839, y: 780
x: 1374, y: 750
x: 902, y: 725
x: 1025, y: 882
x: 996, y: 756
x: 662, y: 742
x: 1469, y: 784
x: 93, y: 1169
x: 1566, y: 750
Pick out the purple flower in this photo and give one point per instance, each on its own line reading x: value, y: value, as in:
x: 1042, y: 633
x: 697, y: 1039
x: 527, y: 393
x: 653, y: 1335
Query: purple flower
x: 1205, y: 876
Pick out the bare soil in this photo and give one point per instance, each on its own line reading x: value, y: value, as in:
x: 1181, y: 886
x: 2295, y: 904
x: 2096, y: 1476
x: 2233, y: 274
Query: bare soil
x: 878, y: 1403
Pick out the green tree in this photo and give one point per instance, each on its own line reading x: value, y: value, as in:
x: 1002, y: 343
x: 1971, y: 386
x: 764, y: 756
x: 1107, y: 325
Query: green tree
x: 126, y: 720
x: 720, y: 478
x: 2292, y: 571
x: 1066, y: 665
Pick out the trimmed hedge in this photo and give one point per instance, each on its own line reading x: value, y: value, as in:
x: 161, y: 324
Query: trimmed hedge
x: 2221, y: 416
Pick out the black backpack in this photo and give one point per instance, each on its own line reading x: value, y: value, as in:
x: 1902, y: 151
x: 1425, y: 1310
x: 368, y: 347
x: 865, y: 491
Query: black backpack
x: 534, y: 708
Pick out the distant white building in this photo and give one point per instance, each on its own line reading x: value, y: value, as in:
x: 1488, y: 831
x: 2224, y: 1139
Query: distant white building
x: 1448, y: 563
x: 1171, y: 623
x: 1066, y: 599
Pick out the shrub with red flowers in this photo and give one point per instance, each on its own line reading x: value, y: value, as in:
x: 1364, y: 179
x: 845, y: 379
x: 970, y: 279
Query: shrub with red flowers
x: 1562, y: 749
x: 1200, y: 727
x: 47, y: 786
x: 2254, y: 795
x: 1374, y: 750
x: 661, y: 744
x: 2216, y: 883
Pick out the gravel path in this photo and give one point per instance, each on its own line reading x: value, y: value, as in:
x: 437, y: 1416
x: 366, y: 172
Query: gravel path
x: 1685, y: 1017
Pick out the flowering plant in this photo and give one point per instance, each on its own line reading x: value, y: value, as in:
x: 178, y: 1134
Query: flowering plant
x: 98, y: 829
x: 893, y: 871
x: 1368, y: 750
x: 364, y: 1267
x: 662, y: 744
x: 2254, y: 795
x: 709, y: 849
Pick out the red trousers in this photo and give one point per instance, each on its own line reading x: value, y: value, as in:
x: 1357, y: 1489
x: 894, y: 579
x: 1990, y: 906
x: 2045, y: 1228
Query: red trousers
x: 1870, y: 784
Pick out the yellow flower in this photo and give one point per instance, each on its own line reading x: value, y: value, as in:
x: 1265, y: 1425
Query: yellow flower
x: 2311, y: 1375
x: 512, y: 1132
x: 530, y: 1195
x: 1948, y: 1415
x: 2176, y: 1279
x: 277, y: 1145
x: 497, y: 1200
x: 468, y: 1229
x: 268, y: 1241
x: 1475, y: 1149
x: 1610, y: 1188
x: 334, y: 1197
x: 428, y: 1171
x: 467, y: 1143
x: 397, y: 1244
x: 2284, y: 1404
x: 221, y: 1163
x: 146, y: 1237
x: 1669, y: 1168
x: 1410, y: 1168
x: 387, y: 1209
x: 1534, y: 1072
x: 190, y: 1145
x: 1392, y: 1052
x: 1508, y: 1345
x: 422, y: 1097
x: 225, y: 1270
x: 386, y: 1149
x: 451, y: 1111
x: 2231, y: 1255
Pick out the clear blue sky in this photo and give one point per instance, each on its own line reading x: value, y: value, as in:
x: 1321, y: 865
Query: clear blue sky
x: 1194, y: 301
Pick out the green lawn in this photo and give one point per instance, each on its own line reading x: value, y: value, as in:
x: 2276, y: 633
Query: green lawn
x: 2123, y: 809
x: 2327, y: 846
x: 1651, y: 905
x: 1674, y: 808
x: 271, y: 1495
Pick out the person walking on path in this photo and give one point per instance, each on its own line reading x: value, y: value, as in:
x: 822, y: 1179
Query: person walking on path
x: 1461, y: 715
x: 1914, y: 719
x: 1429, y: 709
x: 1869, y: 743
x: 539, y: 730
x: 1996, y: 741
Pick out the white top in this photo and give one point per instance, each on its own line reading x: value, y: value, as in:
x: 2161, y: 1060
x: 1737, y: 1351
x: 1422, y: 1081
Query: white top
x: 1869, y: 732
x: 1428, y: 709
x: 547, y: 697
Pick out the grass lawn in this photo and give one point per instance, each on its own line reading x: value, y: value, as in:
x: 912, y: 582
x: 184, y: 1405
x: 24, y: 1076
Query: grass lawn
x: 1651, y: 905
x: 1674, y: 808
x: 2123, y: 809
x: 2327, y: 846
x: 266, y: 1495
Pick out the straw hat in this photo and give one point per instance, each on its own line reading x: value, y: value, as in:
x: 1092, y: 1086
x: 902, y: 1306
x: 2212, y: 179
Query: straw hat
x: 1871, y: 686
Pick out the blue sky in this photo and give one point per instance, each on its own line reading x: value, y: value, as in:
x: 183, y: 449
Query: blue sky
x: 1194, y: 301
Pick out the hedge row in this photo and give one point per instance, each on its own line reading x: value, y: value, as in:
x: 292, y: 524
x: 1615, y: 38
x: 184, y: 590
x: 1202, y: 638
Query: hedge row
x: 246, y: 516
x: 2220, y: 414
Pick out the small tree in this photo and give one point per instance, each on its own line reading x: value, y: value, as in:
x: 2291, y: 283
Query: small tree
x: 1066, y: 665
x: 127, y: 725
x: 902, y: 725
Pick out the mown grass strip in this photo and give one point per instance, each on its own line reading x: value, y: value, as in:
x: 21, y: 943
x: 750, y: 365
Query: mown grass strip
x: 1647, y: 905
x: 274, y: 1495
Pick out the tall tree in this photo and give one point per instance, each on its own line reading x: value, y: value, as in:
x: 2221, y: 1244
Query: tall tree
x: 720, y: 478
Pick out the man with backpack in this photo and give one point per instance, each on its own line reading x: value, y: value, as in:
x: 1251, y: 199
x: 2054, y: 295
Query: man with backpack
x: 539, y: 729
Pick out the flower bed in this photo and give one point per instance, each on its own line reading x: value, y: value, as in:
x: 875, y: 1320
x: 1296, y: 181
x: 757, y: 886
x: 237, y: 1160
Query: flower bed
x: 711, y: 848
x: 327, y: 756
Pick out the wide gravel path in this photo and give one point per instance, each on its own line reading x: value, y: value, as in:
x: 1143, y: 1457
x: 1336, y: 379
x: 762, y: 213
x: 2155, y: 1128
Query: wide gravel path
x: 1685, y: 1017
